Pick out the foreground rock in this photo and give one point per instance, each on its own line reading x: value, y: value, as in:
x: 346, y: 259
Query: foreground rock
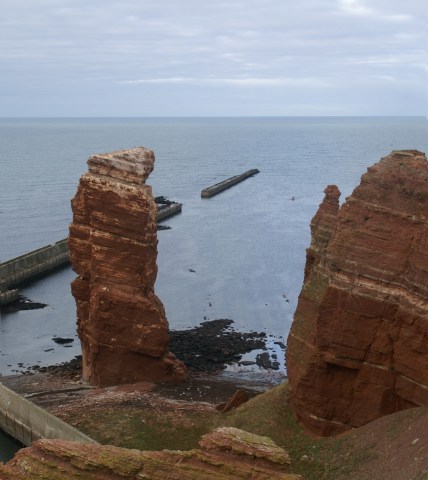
x: 226, y: 453
x: 113, y: 249
x: 358, y: 347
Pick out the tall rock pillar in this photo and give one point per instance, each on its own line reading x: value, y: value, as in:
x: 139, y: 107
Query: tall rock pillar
x: 113, y: 249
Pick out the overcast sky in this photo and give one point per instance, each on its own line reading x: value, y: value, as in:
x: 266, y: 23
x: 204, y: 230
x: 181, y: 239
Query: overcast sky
x: 216, y: 57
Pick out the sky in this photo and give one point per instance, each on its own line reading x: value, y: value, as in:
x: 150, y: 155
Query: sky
x: 140, y: 58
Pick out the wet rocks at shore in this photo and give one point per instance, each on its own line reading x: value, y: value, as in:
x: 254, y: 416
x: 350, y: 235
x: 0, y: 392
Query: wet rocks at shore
x: 71, y: 370
x: 213, y: 345
x: 263, y: 360
x: 207, y: 348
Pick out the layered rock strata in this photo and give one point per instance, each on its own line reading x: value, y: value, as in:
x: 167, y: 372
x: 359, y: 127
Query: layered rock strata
x: 358, y: 346
x: 113, y: 249
x: 225, y: 454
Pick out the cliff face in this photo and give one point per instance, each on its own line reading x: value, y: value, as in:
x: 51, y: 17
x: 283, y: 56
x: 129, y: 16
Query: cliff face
x: 225, y: 454
x: 113, y: 249
x: 358, y: 346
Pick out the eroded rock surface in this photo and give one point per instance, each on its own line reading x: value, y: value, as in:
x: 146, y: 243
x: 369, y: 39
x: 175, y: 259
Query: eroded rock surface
x: 358, y: 346
x: 113, y: 249
x: 225, y: 454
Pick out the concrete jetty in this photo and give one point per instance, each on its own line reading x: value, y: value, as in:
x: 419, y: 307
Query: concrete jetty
x: 8, y: 296
x: 219, y: 187
x: 27, y: 422
x: 166, y: 211
x: 30, y: 265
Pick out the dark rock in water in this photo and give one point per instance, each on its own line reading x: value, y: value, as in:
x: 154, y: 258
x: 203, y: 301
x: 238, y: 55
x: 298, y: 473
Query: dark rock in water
x: 163, y: 227
x: 23, y: 303
x: 62, y: 341
x: 213, y: 345
x: 161, y: 200
x: 263, y: 360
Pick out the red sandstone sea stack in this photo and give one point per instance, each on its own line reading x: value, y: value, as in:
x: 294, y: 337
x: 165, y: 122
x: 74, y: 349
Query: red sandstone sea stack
x: 113, y: 249
x: 358, y: 346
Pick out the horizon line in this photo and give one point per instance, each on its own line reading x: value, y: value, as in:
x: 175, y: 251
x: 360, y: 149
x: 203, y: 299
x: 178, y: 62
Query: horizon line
x: 205, y: 116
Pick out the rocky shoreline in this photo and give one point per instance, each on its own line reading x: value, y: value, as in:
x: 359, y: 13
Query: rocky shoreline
x: 206, y: 349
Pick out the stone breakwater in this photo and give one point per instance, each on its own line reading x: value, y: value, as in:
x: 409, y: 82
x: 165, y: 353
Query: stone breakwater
x: 27, y: 422
x: 113, y: 249
x: 26, y: 267
x: 225, y: 184
x: 358, y: 346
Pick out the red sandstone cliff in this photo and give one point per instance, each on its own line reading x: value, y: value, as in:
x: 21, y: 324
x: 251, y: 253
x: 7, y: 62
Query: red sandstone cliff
x: 113, y: 249
x: 225, y: 454
x: 358, y: 346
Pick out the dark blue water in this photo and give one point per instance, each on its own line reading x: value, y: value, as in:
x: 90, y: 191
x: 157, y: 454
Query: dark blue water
x: 246, y: 245
x: 8, y: 447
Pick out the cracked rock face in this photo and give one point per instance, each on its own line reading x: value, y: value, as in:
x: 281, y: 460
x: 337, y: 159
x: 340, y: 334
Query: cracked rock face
x: 113, y: 249
x: 358, y: 346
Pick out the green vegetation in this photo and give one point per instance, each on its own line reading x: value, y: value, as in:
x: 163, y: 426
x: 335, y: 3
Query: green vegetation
x: 157, y: 423
x: 178, y: 426
x: 146, y: 428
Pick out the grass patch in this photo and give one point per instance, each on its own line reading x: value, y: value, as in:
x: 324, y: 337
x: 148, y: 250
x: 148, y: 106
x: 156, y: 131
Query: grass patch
x: 146, y: 427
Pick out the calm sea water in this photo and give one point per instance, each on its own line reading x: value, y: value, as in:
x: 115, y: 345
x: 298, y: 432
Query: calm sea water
x: 239, y: 255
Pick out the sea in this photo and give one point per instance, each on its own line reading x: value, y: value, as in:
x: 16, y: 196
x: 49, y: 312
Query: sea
x: 239, y: 255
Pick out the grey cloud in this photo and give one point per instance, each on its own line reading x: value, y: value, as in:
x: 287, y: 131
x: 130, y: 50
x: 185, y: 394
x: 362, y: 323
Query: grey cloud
x: 157, y: 49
